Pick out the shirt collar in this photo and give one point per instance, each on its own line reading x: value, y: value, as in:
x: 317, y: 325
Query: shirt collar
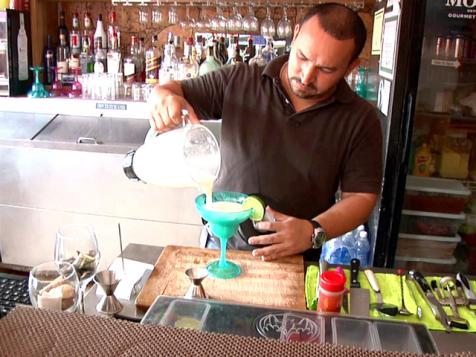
x: 343, y: 92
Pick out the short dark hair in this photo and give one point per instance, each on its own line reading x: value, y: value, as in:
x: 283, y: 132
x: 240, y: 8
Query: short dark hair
x: 341, y: 23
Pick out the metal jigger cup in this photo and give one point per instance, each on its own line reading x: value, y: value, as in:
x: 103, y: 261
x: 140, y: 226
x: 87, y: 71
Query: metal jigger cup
x: 108, y: 304
x: 196, y: 276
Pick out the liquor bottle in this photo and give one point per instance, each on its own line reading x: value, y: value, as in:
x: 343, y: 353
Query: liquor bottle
x: 210, y: 64
x: 258, y: 58
x: 249, y: 51
x: 268, y: 50
x: 130, y: 62
x: 230, y: 51
x: 223, y: 56
x: 62, y: 56
x: 140, y: 74
x: 75, y: 37
x: 49, y: 62
x: 88, y: 30
x: 22, y: 43
x: 169, y: 66
x: 113, y: 32
x: 100, y: 33
x: 189, y: 67
x: 100, y: 58
x: 62, y: 29
x: 199, y: 49
x: 113, y: 57
x: 152, y: 62
x: 86, y: 59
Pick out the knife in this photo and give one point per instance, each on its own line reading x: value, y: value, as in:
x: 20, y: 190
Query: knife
x: 323, y: 265
x: 426, y: 291
x: 345, y: 297
x: 467, y: 288
x: 359, y: 298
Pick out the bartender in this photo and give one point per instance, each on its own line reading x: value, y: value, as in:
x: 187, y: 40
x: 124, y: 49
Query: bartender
x: 293, y: 132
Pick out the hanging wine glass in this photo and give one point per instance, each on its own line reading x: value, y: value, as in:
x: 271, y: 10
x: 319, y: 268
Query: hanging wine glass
x: 202, y: 22
x: 143, y: 13
x: 127, y: 3
x: 157, y: 16
x: 268, y: 28
x: 188, y: 22
x: 172, y: 15
x: 250, y: 22
x: 285, y: 27
x: 234, y: 23
x: 218, y: 22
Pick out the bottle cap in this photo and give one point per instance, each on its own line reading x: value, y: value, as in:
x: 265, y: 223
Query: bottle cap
x: 332, y: 281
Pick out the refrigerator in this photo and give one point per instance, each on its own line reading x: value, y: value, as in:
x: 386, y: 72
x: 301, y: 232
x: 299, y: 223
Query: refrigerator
x: 422, y: 78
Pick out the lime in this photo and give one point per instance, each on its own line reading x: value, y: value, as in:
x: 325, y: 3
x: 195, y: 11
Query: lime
x: 257, y: 205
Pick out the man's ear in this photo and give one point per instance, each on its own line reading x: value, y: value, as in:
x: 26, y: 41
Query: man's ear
x: 355, y: 63
x: 296, y: 32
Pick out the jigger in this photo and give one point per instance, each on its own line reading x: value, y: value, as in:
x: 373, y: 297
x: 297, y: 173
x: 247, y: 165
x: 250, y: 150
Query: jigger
x: 196, y: 276
x: 107, y: 281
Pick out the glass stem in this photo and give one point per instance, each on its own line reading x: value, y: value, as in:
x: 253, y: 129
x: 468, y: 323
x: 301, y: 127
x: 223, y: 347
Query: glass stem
x: 222, y: 262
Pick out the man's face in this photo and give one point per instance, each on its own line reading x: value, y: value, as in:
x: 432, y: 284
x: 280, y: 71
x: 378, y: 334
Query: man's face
x: 317, y: 61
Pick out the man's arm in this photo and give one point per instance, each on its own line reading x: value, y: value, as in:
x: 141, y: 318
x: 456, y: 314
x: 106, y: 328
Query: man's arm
x: 166, y: 104
x: 293, y: 235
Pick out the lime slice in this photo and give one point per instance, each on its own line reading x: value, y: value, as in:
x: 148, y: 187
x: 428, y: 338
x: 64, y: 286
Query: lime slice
x: 257, y: 205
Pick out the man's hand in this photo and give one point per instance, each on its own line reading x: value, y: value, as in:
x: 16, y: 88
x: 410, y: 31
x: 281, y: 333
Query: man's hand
x: 166, y: 103
x: 291, y: 236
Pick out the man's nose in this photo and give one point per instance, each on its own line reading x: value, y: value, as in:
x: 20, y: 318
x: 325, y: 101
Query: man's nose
x: 308, y: 75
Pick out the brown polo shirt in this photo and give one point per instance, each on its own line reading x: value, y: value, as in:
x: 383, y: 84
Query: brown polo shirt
x: 299, y: 159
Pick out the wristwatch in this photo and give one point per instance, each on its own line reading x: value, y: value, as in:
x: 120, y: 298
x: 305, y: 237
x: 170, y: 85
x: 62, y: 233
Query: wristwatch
x: 319, y: 235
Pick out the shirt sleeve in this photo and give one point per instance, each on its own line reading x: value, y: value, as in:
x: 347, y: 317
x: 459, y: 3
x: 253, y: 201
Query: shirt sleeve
x: 363, y: 168
x: 206, y: 93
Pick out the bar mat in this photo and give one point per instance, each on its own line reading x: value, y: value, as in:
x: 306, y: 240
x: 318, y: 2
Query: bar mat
x: 29, y: 332
x: 391, y: 293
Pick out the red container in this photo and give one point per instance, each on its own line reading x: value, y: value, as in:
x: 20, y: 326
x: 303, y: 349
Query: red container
x: 331, y: 291
x: 430, y: 194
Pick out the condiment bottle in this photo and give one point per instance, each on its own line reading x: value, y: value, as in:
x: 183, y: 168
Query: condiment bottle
x: 331, y: 291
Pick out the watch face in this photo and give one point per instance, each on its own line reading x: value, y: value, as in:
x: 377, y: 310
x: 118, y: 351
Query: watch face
x: 319, y: 238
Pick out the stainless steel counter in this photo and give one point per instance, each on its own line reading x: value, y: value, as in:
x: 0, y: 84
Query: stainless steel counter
x: 446, y: 342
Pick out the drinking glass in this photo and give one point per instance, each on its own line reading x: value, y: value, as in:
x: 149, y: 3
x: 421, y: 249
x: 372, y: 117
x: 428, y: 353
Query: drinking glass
x: 77, y: 244
x: 218, y: 22
x: 143, y: 13
x: 250, y: 22
x: 172, y: 15
x: 76, y: 87
x: 267, y: 26
x: 188, y: 22
x: 37, y: 89
x: 57, y: 85
x: 54, y: 286
x: 285, y: 27
x: 202, y: 22
x: 157, y: 15
x: 234, y: 22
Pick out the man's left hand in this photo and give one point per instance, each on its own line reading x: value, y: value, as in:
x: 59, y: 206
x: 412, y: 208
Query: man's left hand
x: 290, y: 236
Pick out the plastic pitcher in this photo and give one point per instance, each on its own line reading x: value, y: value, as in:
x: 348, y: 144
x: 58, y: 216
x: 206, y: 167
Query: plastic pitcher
x: 182, y: 157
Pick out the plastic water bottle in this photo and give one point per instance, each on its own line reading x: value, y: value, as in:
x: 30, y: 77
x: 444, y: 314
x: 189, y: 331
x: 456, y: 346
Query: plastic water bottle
x: 356, y: 232
x: 363, y: 249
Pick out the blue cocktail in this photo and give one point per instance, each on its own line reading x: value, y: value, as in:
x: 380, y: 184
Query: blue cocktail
x: 223, y: 214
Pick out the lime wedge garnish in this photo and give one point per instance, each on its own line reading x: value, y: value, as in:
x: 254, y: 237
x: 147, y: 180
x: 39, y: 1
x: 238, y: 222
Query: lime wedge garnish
x: 257, y: 205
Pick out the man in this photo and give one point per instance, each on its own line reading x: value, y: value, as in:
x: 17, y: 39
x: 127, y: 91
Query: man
x: 292, y: 131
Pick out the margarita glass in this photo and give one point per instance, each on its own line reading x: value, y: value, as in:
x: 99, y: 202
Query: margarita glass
x: 223, y: 214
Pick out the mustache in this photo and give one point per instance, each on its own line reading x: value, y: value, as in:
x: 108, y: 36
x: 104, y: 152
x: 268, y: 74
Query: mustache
x: 297, y: 79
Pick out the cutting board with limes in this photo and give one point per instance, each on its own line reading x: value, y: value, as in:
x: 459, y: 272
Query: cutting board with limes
x: 279, y: 283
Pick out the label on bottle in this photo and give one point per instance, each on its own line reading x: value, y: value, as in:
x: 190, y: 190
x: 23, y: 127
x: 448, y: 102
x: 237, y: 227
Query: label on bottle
x: 22, y: 41
x: 74, y: 62
x: 74, y: 39
x: 129, y: 69
x: 62, y: 67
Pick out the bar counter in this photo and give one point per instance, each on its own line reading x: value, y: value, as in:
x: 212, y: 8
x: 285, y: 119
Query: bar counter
x: 445, y: 342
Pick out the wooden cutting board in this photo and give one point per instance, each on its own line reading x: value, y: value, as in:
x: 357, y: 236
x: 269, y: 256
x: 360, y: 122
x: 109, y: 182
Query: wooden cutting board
x: 278, y: 283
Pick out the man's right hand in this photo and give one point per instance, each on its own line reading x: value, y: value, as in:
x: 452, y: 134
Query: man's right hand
x: 166, y: 104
